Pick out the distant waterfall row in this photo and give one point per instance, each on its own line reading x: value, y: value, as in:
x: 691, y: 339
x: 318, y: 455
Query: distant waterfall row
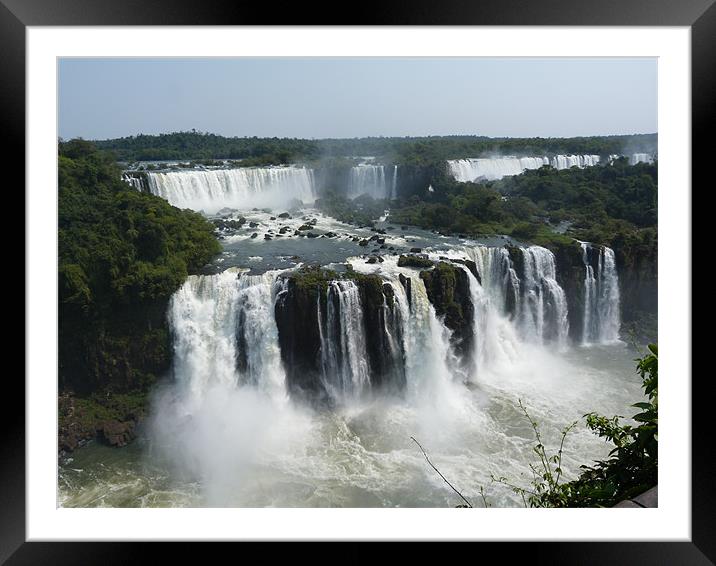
x: 248, y: 187
x: 377, y: 181
x: 257, y: 187
x: 381, y: 330
x: 494, y: 168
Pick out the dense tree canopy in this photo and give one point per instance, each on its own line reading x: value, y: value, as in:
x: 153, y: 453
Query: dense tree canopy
x: 116, y: 245
x: 425, y: 150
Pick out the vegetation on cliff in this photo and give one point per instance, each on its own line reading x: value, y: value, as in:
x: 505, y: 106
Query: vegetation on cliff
x: 122, y: 254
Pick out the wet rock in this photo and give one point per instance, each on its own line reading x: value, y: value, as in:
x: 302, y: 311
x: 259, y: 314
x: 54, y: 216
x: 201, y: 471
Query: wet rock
x: 416, y: 250
x: 267, y: 237
x: 363, y: 243
x: 284, y: 215
x: 116, y: 433
x: 254, y: 235
x: 253, y: 224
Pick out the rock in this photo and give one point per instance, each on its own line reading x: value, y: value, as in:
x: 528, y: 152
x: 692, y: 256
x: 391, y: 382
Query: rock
x: 116, y: 433
x: 415, y: 261
x: 272, y: 218
x: 253, y: 224
x: 372, y: 259
x: 284, y: 229
x: 267, y: 237
x: 312, y: 235
x: 307, y: 226
x: 284, y: 215
x: 416, y: 250
x: 448, y: 290
x: 363, y: 243
x: 254, y: 235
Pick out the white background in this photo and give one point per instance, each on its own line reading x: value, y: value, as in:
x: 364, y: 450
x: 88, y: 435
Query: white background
x: 671, y: 521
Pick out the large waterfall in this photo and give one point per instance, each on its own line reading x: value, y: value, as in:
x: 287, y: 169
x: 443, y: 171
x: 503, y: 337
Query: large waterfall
x: 246, y: 187
x: 494, y: 168
x: 377, y: 181
x: 601, y: 320
x: 227, y: 328
x: 225, y: 333
x: 527, y: 293
x: 303, y: 388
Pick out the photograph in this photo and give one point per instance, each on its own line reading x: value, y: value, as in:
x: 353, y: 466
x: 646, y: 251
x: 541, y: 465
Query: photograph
x: 357, y: 282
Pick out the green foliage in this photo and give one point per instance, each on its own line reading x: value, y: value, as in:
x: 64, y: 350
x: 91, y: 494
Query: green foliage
x: 122, y: 254
x: 406, y: 151
x: 116, y: 245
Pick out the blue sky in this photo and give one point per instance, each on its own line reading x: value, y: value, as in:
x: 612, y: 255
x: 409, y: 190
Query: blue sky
x: 356, y: 97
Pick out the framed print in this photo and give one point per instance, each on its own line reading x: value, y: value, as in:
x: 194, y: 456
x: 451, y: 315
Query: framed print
x: 389, y: 279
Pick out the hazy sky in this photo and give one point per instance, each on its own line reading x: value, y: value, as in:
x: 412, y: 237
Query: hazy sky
x: 355, y: 97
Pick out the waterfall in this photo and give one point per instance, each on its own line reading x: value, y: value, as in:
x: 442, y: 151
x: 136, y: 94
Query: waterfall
x: 246, y: 187
x: 225, y: 334
x: 425, y: 343
x: 494, y: 168
x: 602, y: 321
x: 344, y: 360
x: 543, y: 313
x: 532, y: 299
x: 635, y: 158
x: 373, y: 181
x: 499, y: 278
x: 135, y: 182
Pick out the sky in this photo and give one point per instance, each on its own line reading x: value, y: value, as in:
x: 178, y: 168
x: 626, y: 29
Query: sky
x: 357, y: 97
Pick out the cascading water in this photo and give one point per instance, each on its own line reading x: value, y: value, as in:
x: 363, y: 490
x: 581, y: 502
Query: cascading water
x: 543, y: 309
x: 225, y: 334
x: 425, y: 343
x: 601, y: 317
x: 635, y: 158
x: 373, y: 180
x: 344, y: 360
x: 135, y: 182
x: 494, y: 168
x: 247, y: 187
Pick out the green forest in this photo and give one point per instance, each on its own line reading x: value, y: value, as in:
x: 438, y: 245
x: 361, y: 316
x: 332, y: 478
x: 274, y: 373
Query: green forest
x: 122, y: 254
x: 195, y: 145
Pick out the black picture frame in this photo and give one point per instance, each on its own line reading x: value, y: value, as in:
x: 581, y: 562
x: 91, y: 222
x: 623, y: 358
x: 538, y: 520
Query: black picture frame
x: 16, y: 15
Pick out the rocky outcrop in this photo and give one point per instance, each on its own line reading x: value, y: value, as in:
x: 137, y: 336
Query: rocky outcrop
x: 448, y: 290
x: 570, y: 276
x: 296, y: 315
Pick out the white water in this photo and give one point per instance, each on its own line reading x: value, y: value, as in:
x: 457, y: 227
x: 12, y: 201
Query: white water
x: 543, y: 312
x: 377, y: 181
x: 247, y: 187
x: 635, y: 158
x: 494, y: 168
x: 206, y: 315
x: 344, y: 359
x: 225, y: 434
x: 602, y: 320
x: 135, y: 182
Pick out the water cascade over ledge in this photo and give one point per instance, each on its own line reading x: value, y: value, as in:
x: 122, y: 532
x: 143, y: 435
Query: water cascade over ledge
x: 247, y: 187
